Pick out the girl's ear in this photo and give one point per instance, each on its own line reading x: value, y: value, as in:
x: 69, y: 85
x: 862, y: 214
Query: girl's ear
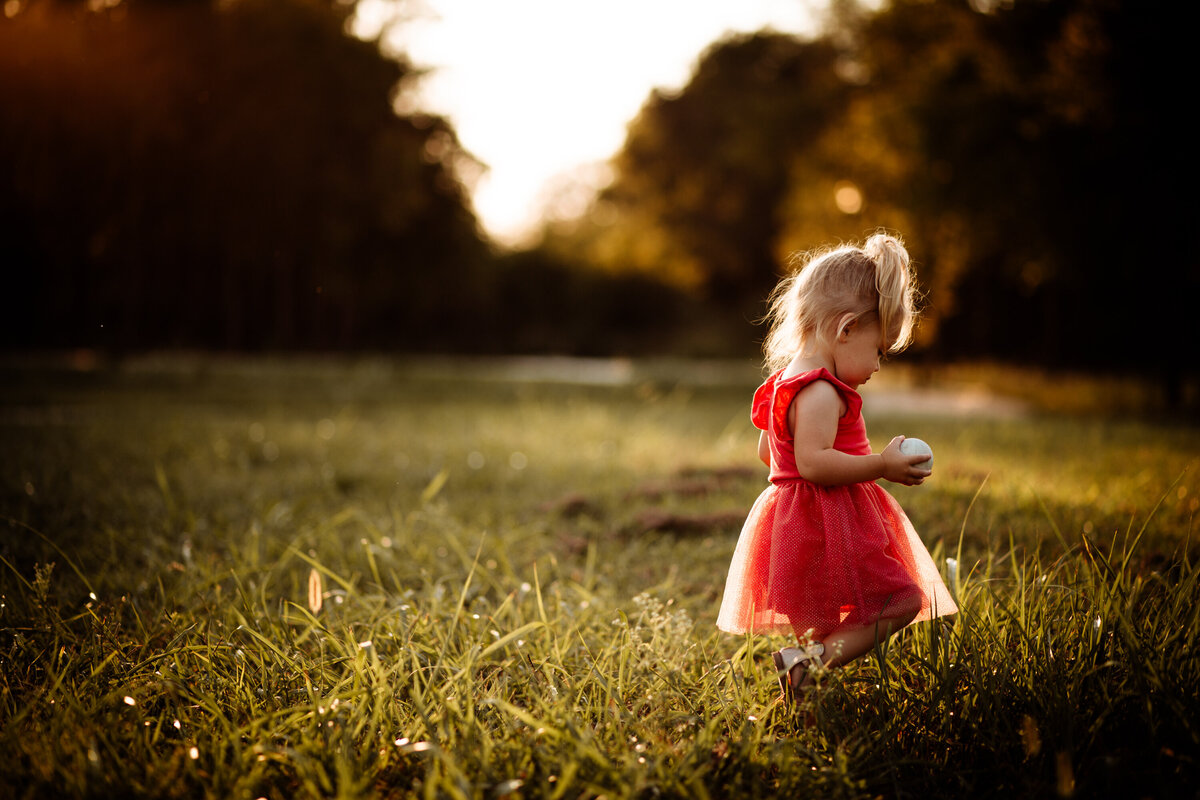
x: 845, y: 325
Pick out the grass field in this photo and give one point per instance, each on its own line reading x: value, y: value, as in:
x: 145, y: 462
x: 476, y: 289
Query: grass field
x: 375, y: 579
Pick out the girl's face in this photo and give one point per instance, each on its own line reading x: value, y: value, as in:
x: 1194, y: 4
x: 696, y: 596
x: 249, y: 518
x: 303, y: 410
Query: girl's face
x: 858, y: 352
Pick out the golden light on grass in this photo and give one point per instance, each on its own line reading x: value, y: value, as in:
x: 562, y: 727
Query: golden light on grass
x: 1031, y: 740
x: 1064, y: 774
x: 314, y: 591
x: 437, y: 587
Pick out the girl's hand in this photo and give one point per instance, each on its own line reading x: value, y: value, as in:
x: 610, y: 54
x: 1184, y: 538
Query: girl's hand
x: 900, y: 468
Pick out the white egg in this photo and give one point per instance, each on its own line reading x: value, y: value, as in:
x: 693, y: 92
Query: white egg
x: 912, y: 447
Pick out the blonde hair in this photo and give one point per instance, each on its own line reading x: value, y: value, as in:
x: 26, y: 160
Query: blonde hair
x: 806, y: 306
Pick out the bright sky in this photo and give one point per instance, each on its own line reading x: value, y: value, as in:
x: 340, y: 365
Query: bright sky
x: 541, y: 91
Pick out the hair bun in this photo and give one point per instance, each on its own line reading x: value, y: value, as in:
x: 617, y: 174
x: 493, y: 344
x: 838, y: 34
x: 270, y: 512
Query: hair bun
x: 896, y: 286
x: 884, y: 246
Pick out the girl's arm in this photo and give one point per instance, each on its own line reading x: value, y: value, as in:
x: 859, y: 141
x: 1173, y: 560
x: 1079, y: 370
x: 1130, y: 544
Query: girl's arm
x: 764, y: 448
x: 813, y: 417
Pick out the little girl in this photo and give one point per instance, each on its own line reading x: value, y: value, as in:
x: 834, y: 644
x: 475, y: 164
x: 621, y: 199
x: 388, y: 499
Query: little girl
x: 825, y: 552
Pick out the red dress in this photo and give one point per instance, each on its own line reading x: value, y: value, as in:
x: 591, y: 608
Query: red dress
x: 823, y: 557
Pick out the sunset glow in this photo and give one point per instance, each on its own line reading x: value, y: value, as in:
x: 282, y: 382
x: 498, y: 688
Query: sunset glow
x: 539, y: 89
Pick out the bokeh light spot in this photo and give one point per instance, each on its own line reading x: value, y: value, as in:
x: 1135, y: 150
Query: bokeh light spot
x: 848, y: 198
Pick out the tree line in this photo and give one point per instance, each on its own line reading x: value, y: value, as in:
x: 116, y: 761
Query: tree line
x: 1030, y: 151
x: 229, y: 175
x: 236, y: 175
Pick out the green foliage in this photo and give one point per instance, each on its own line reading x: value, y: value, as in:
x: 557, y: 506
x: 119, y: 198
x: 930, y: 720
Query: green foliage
x: 312, y: 579
x: 1020, y: 125
x: 1018, y: 146
x: 228, y: 174
x: 706, y: 167
x: 540, y: 301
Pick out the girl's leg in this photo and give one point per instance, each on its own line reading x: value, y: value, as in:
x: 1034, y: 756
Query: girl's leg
x: 846, y: 644
x: 843, y: 645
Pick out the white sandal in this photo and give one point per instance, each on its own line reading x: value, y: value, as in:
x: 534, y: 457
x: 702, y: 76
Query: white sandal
x: 788, y: 659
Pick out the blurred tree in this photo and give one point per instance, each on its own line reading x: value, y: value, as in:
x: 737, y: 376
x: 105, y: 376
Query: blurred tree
x: 1046, y: 166
x: 702, y: 173
x: 1023, y: 147
x: 547, y: 302
x: 228, y: 174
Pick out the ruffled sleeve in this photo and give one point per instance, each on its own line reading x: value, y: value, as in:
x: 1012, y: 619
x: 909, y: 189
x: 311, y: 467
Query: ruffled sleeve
x: 775, y: 396
x: 760, y: 409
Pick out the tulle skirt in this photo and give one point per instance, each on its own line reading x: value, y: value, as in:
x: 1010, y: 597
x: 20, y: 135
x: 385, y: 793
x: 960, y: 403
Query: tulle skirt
x: 821, y: 558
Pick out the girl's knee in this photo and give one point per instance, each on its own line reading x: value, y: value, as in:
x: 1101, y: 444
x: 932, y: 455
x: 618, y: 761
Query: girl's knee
x: 904, y: 610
